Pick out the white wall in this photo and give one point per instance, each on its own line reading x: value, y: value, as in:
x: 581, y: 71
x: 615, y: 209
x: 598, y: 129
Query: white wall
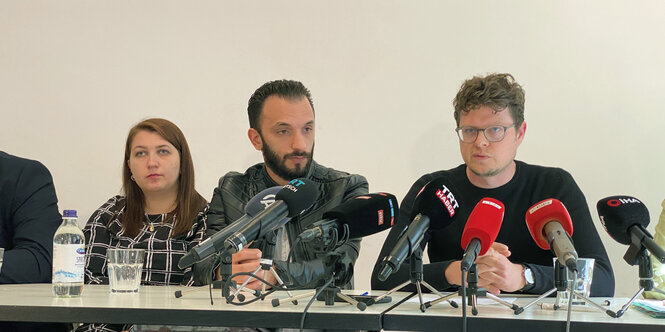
x: 76, y: 75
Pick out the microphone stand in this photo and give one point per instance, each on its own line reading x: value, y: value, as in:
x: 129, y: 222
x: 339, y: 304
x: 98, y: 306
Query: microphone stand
x: 416, y: 268
x: 266, y: 265
x: 561, y: 284
x: 331, y: 291
x: 225, y: 270
x: 472, y: 292
x: 637, y: 254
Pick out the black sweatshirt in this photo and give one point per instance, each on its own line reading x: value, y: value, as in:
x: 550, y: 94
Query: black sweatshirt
x: 529, y: 185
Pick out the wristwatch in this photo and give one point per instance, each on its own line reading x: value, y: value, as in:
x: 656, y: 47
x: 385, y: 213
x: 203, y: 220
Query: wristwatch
x: 528, y: 277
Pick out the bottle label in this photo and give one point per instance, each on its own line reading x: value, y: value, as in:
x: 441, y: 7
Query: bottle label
x: 68, y: 262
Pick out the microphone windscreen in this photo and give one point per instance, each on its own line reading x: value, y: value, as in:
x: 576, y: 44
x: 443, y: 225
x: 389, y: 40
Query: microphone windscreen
x: 261, y: 201
x: 541, y: 213
x: 436, y: 200
x: 484, y: 223
x: 366, y: 214
x: 619, y: 213
x: 299, y: 195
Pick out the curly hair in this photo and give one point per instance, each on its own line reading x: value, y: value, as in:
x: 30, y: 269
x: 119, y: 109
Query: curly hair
x: 498, y: 91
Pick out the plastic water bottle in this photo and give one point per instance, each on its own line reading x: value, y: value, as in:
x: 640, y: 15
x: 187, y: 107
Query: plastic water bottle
x: 68, y: 257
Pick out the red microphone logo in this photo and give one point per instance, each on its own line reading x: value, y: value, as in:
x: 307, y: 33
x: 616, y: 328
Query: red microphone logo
x: 448, y: 200
x: 618, y: 201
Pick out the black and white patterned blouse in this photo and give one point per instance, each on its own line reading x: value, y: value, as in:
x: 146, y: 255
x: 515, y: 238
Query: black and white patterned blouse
x: 104, y: 231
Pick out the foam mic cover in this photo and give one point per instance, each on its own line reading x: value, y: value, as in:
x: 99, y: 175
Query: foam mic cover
x: 541, y: 213
x: 215, y: 243
x: 299, y: 195
x: 484, y: 223
x: 619, y: 213
x: 366, y: 214
x: 436, y: 200
x: 261, y: 200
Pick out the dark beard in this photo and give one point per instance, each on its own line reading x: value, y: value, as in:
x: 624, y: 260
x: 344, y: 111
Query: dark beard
x: 277, y: 164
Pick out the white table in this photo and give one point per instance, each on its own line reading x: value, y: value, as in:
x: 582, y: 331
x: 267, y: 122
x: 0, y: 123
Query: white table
x: 158, y: 305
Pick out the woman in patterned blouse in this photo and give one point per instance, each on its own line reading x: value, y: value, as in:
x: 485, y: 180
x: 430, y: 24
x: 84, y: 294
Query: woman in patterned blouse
x: 160, y: 211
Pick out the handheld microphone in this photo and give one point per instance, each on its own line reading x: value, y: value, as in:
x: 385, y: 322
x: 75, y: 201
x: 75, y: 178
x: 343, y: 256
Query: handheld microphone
x: 551, y: 227
x: 436, y: 207
x: 361, y: 216
x: 625, y: 219
x: 215, y: 243
x: 481, y: 230
x: 293, y: 199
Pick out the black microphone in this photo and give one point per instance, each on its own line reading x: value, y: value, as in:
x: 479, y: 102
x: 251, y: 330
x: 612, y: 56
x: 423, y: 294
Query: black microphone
x: 293, y: 199
x: 215, y: 243
x: 363, y: 215
x: 625, y: 219
x: 436, y: 207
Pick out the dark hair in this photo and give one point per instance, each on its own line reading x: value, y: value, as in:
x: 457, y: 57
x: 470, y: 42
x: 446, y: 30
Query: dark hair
x: 189, y: 201
x: 286, y: 89
x: 498, y: 91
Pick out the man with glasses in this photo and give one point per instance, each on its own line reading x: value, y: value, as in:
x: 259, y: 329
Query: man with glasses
x: 489, y: 112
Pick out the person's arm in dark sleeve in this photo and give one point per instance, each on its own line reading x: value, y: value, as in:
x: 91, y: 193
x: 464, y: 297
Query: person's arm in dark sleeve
x: 586, y: 241
x: 433, y: 273
x: 35, y: 218
x: 302, y: 273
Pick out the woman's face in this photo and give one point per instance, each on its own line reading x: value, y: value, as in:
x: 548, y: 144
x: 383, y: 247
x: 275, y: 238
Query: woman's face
x: 154, y: 163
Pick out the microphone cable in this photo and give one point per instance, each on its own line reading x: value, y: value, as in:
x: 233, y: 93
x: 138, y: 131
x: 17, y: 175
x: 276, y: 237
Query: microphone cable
x: 309, y: 304
x: 570, y: 300
x: 288, y: 261
x: 274, y: 288
x: 463, y: 301
x: 335, y: 243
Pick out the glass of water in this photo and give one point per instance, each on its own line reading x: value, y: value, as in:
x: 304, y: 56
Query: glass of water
x: 583, y: 283
x: 2, y: 254
x: 124, y: 267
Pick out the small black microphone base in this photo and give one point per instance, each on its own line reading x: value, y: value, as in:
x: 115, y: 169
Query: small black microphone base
x: 561, y: 284
x: 266, y: 265
x: 329, y: 291
x: 416, y: 268
x: 637, y: 255
x: 472, y: 292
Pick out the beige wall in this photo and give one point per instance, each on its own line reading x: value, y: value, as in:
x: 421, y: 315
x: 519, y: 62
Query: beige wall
x: 75, y: 75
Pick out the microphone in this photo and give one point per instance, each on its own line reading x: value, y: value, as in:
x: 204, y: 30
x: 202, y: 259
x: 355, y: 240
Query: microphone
x: 293, y: 199
x: 215, y: 243
x: 361, y: 216
x: 436, y: 207
x: 625, y: 219
x: 551, y: 227
x: 481, y: 230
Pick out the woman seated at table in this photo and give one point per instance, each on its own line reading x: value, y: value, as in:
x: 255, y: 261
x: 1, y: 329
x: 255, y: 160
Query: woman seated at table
x: 160, y: 211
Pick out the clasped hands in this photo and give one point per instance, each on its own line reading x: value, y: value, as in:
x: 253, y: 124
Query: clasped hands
x: 495, y: 272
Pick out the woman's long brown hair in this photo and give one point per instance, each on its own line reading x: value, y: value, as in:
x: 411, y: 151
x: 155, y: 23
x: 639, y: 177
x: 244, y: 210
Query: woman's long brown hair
x: 189, y: 201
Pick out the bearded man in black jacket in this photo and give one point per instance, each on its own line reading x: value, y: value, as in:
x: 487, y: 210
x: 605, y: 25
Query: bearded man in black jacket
x: 282, y: 127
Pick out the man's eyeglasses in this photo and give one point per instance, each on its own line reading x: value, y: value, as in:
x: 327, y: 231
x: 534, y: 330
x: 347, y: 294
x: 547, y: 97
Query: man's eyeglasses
x: 492, y: 134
